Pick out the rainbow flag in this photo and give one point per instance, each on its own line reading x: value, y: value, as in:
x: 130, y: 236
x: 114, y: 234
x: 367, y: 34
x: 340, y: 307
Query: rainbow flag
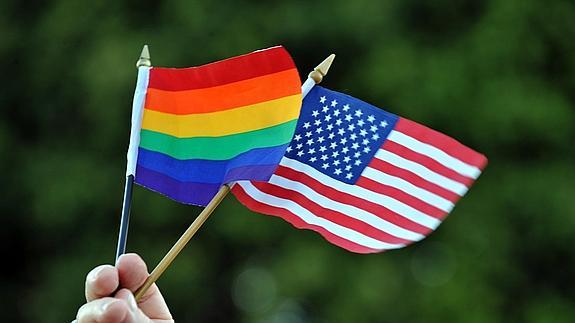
x: 206, y: 126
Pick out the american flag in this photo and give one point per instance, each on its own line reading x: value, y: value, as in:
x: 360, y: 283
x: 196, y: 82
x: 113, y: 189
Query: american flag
x: 365, y: 179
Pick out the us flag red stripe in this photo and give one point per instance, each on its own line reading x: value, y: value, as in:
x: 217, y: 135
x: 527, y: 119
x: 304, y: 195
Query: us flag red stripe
x: 366, y: 180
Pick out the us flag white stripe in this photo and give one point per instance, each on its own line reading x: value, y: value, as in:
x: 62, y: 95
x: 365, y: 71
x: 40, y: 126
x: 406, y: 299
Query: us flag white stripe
x: 422, y: 171
x: 310, y: 218
x: 434, y: 153
x: 349, y: 210
x: 405, y: 186
x: 387, y: 202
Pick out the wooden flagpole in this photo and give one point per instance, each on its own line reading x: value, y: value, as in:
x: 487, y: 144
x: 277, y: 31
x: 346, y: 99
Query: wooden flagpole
x: 315, y: 77
x: 143, y: 65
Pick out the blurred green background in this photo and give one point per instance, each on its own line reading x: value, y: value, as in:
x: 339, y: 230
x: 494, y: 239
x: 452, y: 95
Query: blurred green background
x: 497, y: 75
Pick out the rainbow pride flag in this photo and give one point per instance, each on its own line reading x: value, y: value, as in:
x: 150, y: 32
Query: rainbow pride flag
x: 206, y: 126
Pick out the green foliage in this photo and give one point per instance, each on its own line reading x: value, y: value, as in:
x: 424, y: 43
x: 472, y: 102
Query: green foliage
x: 497, y: 75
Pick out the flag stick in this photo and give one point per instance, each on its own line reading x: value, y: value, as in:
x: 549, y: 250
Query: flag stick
x: 143, y: 66
x: 315, y: 77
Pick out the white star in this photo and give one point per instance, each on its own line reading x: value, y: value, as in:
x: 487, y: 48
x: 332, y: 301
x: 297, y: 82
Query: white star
x: 346, y: 107
x: 319, y: 130
x: 306, y: 125
x: 322, y: 149
x: 371, y: 118
x: 353, y: 136
x: 349, y: 175
x: 311, y: 151
x: 315, y: 113
x: 383, y: 123
x: 317, y: 122
x: 331, y: 135
x: 297, y: 137
x: 329, y: 126
x: 322, y: 99
x: 313, y: 159
x: 348, y: 167
x: 309, y: 142
x: 365, y: 141
x: 300, y: 153
x: 343, y: 141
x: 308, y: 134
x: 357, y: 154
x: 327, y: 117
x: 337, y: 171
x: 346, y: 159
x: 341, y: 132
x: 348, y: 117
x: 298, y: 147
x: 358, y: 113
x: 335, y: 154
x: 336, y: 112
x: 373, y: 128
x: 366, y: 150
x: 363, y: 133
x: 323, y: 157
x: 360, y: 122
x: 332, y: 145
x: 333, y: 103
x: 344, y: 150
x: 325, y: 166
x: 289, y: 149
x: 355, y: 145
x: 375, y: 137
x: 336, y: 162
x: 351, y: 127
x: 338, y: 122
x: 357, y: 162
x: 320, y: 139
x: 324, y: 109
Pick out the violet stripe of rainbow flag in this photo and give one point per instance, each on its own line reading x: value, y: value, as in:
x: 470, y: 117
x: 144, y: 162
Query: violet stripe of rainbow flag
x: 206, y: 126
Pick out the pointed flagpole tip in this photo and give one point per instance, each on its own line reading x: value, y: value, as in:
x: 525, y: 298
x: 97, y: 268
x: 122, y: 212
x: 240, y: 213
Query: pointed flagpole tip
x: 144, y: 57
x: 321, y: 70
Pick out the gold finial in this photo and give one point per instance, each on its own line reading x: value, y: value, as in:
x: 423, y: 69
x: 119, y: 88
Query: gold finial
x: 321, y: 70
x: 144, y: 58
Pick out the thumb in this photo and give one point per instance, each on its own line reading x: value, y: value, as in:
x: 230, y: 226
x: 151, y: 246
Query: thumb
x: 135, y: 314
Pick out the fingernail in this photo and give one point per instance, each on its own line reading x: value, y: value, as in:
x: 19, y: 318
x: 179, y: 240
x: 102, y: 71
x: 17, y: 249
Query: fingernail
x: 118, y: 260
x: 93, y: 275
x: 105, y: 305
x: 132, y: 302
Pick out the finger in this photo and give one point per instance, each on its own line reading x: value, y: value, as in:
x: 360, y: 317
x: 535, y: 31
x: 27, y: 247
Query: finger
x: 154, y: 305
x: 135, y: 314
x: 101, y: 281
x: 103, y: 310
x: 132, y: 271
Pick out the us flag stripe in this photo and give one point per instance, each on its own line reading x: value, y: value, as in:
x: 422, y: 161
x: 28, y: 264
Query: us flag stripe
x: 384, y: 179
x: 413, y: 179
x: 351, y: 210
x: 421, y: 171
x: 257, y: 206
x: 427, y: 162
x: 403, y: 225
x: 441, y: 143
x: 388, y: 202
x: 310, y: 218
x: 331, y: 214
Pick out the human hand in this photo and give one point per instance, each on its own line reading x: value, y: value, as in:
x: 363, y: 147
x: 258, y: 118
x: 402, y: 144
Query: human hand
x: 105, y: 305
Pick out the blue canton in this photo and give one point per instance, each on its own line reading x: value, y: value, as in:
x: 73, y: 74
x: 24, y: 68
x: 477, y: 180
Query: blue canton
x: 338, y: 134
